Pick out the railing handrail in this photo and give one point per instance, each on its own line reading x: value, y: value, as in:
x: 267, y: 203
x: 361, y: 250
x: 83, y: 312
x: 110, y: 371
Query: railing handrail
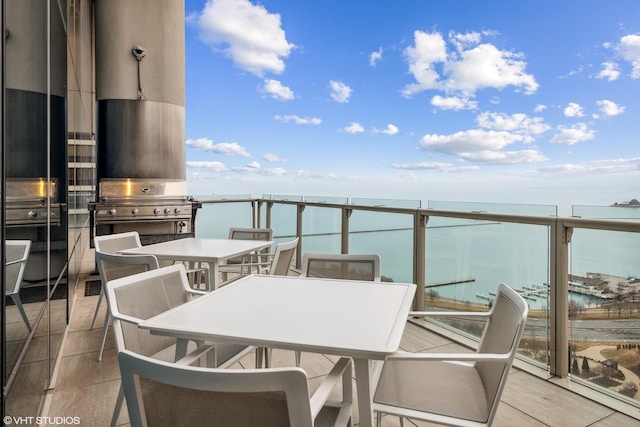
x: 560, y: 233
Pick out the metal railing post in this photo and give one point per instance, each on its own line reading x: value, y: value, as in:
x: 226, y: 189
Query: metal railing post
x: 299, y: 212
x: 558, y: 315
x: 419, y: 252
x: 344, y: 246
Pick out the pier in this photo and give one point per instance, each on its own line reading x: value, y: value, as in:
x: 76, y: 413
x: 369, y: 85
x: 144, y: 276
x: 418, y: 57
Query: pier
x: 450, y: 282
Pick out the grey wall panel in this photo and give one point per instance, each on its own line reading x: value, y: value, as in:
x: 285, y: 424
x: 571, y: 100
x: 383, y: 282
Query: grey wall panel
x: 140, y: 139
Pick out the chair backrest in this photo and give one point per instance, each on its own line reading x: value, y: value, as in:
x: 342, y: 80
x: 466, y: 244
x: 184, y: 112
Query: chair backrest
x: 113, y: 243
x: 239, y: 233
x: 501, y: 334
x: 16, y: 253
x: 282, y: 257
x: 114, y: 266
x: 341, y: 266
x: 141, y: 296
x: 160, y: 393
x: 251, y: 233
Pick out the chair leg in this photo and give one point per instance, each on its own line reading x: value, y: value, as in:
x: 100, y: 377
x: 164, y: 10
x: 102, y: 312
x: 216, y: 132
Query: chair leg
x: 298, y: 358
x: 118, y: 407
x: 18, y: 302
x: 105, y: 329
x: 95, y: 313
x: 259, y: 357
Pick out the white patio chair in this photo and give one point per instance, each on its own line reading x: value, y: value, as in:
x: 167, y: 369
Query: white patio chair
x: 137, y: 297
x: 244, y: 264
x: 161, y: 394
x: 277, y: 263
x: 112, y: 244
x: 342, y: 266
x: 17, y: 254
x: 116, y: 266
x: 457, y: 389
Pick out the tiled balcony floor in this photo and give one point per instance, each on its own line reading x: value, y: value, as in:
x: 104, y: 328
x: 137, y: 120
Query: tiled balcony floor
x: 87, y: 388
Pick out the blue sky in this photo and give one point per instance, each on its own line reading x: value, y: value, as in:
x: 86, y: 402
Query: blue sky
x: 494, y: 101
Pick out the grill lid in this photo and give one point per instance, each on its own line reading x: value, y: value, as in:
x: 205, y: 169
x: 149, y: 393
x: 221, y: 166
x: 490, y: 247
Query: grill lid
x: 130, y: 189
x: 31, y: 190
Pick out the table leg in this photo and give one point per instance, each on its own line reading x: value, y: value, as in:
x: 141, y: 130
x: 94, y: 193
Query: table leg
x: 364, y: 391
x: 181, y: 348
x: 213, y: 275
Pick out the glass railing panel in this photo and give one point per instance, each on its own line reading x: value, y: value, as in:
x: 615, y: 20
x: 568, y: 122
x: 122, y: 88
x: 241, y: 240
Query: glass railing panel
x: 390, y: 235
x: 502, y: 208
x: 466, y: 260
x: 321, y: 230
x: 604, y: 305
x: 619, y: 211
x: 214, y: 220
x: 283, y: 221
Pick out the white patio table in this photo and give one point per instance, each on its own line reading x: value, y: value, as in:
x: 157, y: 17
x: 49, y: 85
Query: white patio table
x: 357, y: 319
x: 196, y: 250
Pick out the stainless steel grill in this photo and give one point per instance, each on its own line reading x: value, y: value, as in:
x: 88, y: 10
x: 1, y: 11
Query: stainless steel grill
x: 31, y: 202
x: 159, y: 209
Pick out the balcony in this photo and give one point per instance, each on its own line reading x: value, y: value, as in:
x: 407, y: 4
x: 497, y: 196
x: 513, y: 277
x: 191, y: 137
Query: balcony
x: 458, y: 251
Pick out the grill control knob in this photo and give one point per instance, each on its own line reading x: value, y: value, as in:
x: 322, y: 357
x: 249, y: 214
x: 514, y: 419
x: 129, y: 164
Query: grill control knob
x: 112, y: 211
x: 156, y: 211
x: 177, y: 210
x: 167, y: 211
x: 135, y: 211
x: 32, y: 214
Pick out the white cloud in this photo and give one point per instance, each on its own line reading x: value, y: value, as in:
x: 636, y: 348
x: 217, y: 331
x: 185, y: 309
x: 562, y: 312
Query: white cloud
x: 269, y: 157
x: 340, y: 92
x: 248, y: 34
x: 470, y: 66
x: 453, y: 103
x: 429, y: 50
x: 629, y: 50
x: 539, y: 108
x: 605, y: 166
x: 255, y: 167
x: 277, y: 90
x: 462, y: 41
x: 610, y: 108
x: 479, y: 145
x: 486, y: 66
x: 298, y: 120
x: 438, y: 166
x: 353, y: 128
x: 573, y: 110
x: 211, y: 166
x: 573, y: 134
x: 375, y: 57
x: 609, y: 71
x: 228, y: 148
x: 389, y: 130
x: 519, y: 122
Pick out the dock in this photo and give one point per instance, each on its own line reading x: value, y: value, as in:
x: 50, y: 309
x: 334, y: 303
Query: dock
x: 450, y: 282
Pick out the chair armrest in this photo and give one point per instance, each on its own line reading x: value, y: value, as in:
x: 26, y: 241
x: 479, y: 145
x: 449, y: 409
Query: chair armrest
x: 196, y: 293
x: 449, y: 314
x: 340, y: 371
x: 460, y: 357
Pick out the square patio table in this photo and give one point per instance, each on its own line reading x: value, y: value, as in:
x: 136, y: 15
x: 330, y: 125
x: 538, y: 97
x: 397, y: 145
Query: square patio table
x: 363, y: 320
x: 196, y: 250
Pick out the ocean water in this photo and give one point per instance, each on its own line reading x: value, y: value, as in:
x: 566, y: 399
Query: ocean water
x: 483, y: 254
